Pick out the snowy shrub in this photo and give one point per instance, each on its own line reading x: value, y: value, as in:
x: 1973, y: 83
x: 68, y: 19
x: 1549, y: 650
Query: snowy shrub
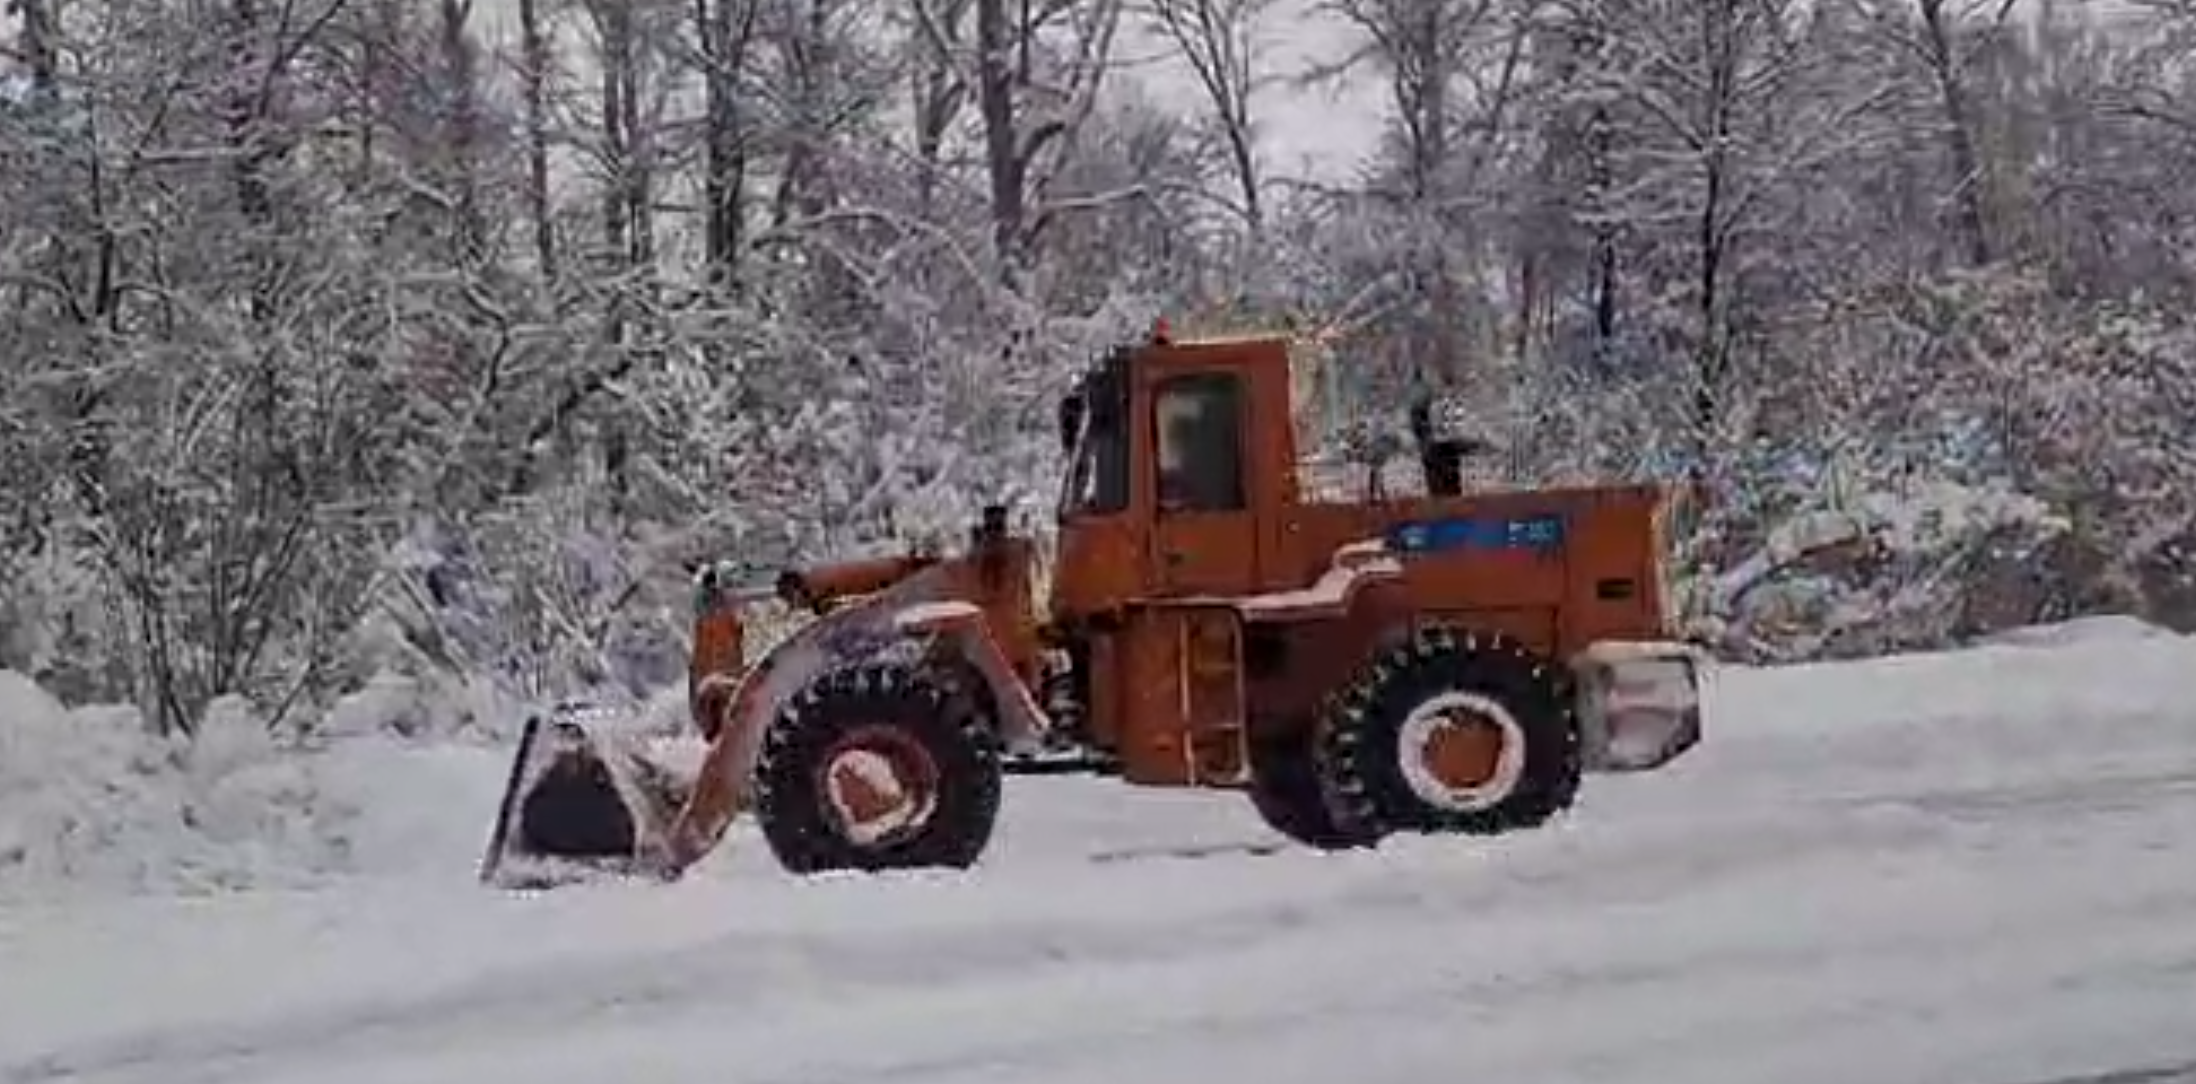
x: 1886, y: 572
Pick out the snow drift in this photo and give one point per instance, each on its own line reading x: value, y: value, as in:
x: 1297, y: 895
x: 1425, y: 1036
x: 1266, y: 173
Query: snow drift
x: 91, y: 801
x: 1968, y: 866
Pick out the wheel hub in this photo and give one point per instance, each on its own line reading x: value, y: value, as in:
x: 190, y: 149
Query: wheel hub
x: 1461, y: 752
x: 878, y: 785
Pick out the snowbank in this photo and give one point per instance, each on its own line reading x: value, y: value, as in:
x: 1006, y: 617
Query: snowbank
x: 2081, y: 631
x: 91, y: 802
x: 1900, y: 571
x: 88, y: 798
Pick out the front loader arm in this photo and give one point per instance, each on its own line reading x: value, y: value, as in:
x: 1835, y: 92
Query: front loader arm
x: 821, y: 588
x: 583, y: 794
x: 721, y: 790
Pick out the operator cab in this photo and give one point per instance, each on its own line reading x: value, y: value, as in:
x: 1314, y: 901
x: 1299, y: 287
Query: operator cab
x: 1199, y: 433
x: 1182, y: 469
x: 1201, y: 401
x: 1193, y: 407
x: 1180, y: 465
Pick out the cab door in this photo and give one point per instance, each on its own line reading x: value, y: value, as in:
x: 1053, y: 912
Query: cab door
x: 1204, y: 537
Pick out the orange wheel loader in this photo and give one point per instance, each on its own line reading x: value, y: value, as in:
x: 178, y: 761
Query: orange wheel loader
x: 1434, y: 663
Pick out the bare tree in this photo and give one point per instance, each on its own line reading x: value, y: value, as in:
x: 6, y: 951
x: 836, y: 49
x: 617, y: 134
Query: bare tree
x: 38, y: 42
x: 535, y: 60
x: 725, y: 30
x: 1218, y: 40
x: 1035, y: 68
x: 939, y: 88
x: 1454, y: 72
x: 1707, y: 91
x: 1938, y: 38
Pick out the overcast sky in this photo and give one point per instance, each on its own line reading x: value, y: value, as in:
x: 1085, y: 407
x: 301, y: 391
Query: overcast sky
x: 1323, y: 133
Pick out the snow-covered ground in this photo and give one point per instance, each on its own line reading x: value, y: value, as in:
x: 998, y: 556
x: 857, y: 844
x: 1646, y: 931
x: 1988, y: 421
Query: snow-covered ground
x: 1976, y: 868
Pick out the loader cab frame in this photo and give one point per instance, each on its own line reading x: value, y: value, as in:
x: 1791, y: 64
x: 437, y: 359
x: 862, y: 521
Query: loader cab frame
x: 1181, y: 460
x: 1094, y: 433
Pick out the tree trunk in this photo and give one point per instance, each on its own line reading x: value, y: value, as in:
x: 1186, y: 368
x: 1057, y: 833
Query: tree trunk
x: 1969, y: 176
x: 534, y: 82
x: 1006, y: 167
x: 726, y: 28
x: 459, y: 70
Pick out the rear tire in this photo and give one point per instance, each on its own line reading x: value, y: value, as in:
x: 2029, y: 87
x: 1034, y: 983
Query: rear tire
x: 941, y: 754
x: 1367, y: 769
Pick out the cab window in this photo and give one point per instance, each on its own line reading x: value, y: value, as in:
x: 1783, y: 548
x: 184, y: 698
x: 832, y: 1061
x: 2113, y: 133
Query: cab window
x: 1198, y: 420
x: 1098, y: 482
x: 1098, y: 475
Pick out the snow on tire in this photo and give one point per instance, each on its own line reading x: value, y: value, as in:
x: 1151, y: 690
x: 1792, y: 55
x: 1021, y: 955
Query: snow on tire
x: 1454, y: 731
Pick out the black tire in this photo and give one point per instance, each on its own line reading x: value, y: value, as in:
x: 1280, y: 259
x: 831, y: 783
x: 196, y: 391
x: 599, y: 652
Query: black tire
x: 1359, y: 762
x: 917, y: 717
x: 1286, y: 793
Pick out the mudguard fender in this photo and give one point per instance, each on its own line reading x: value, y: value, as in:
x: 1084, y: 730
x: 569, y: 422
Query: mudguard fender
x: 847, y: 635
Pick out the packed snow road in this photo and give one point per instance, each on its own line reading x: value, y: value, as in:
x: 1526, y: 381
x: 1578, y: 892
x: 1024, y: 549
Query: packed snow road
x: 1970, y: 869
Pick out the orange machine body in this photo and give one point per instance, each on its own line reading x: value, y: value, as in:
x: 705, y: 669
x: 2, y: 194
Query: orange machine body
x: 1195, y: 595
x: 1202, y: 608
x: 994, y: 574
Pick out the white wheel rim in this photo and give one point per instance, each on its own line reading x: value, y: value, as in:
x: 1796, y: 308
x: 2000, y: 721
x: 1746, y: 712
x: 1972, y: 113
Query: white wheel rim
x: 1415, y: 742
x: 913, y: 806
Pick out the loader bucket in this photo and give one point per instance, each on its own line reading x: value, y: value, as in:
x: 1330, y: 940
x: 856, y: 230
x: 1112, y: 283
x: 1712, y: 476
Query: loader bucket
x: 580, y: 799
x: 586, y: 794
x: 1639, y: 704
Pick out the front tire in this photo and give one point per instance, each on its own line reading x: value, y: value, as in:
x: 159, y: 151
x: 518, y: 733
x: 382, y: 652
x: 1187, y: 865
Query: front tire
x: 1453, y: 732
x: 1286, y: 793
x: 877, y: 767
